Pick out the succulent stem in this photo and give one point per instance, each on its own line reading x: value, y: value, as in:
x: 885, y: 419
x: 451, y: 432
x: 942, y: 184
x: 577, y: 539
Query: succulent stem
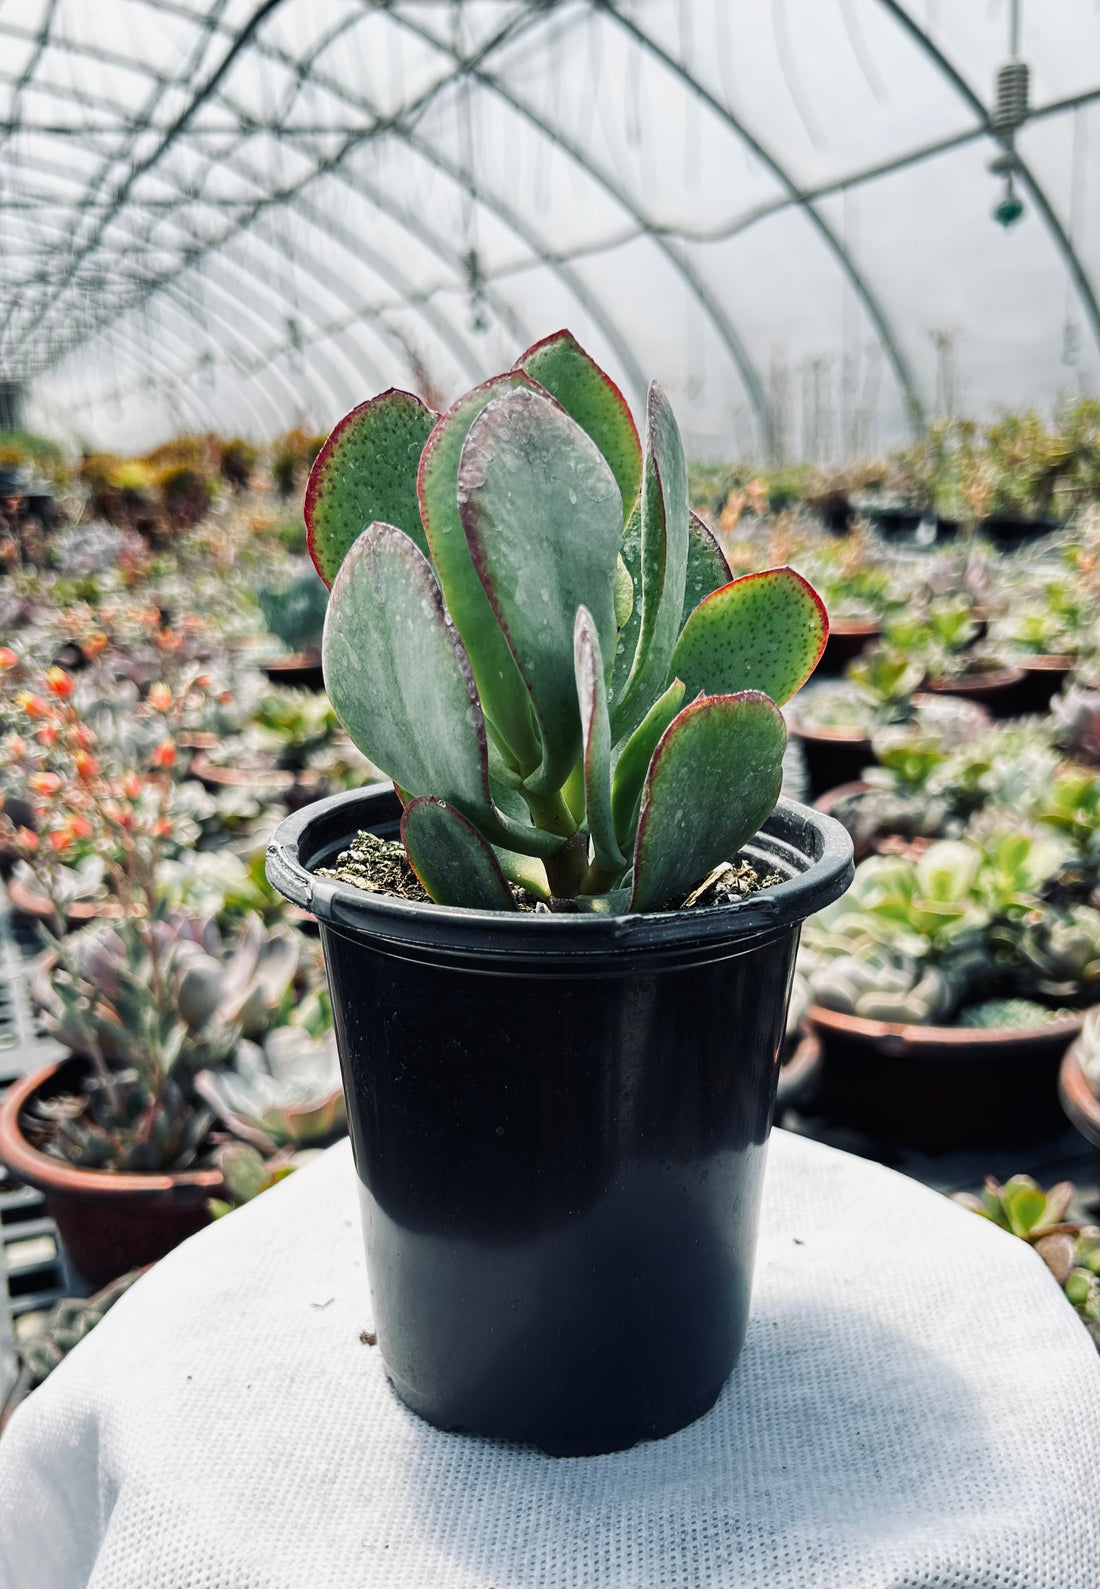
x: 550, y: 813
x: 566, y: 868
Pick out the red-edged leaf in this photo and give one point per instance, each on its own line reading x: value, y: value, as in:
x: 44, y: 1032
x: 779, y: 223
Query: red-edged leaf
x: 764, y: 632
x: 714, y: 778
x: 451, y: 858
x: 502, y: 690
x: 366, y: 473
x: 590, y: 396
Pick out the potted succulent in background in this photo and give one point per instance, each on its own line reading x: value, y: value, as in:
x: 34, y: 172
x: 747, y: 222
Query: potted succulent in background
x: 559, y: 1082
x: 1079, y: 1083
x: 836, y: 725
x: 947, y: 984
x: 920, y: 788
x: 295, y: 614
x: 115, y: 1135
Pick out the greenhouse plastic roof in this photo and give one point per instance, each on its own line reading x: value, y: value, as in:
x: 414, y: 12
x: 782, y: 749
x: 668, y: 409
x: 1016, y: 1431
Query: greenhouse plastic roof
x: 245, y: 214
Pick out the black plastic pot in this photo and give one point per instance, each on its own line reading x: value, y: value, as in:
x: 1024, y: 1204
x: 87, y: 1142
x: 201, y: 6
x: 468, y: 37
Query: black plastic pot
x: 559, y: 1123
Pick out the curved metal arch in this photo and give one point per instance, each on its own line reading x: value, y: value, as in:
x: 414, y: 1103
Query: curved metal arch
x: 1054, y: 226
x: 207, y: 22
x: 492, y: 204
x: 875, y: 312
x: 381, y: 125
x: 354, y: 246
x: 497, y: 207
x: 144, y: 350
x: 140, y: 354
x: 750, y: 375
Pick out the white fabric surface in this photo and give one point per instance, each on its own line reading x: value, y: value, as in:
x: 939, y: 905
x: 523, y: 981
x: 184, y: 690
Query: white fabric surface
x: 916, y: 1408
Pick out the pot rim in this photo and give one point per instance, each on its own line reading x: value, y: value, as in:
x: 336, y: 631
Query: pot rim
x: 814, y: 850
x: 974, y: 1041
x: 1077, y: 1097
x: 57, y: 1175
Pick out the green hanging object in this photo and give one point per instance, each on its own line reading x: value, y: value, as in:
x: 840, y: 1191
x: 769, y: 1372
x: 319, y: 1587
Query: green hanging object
x: 1010, y: 209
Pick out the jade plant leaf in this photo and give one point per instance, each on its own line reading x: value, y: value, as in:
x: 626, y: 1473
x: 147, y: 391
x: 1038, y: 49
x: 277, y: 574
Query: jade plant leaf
x: 589, y: 396
x: 450, y: 857
x: 664, y: 554
x: 762, y: 632
x: 635, y: 756
x: 543, y: 519
x: 419, y: 718
x: 595, y: 743
x: 630, y: 560
x: 707, y: 569
x: 366, y: 472
x: 503, y: 693
x: 714, y: 777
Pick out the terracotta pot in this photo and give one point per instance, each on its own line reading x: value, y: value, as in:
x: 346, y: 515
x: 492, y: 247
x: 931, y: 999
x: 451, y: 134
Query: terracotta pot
x: 301, y: 670
x: 995, y: 691
x: 799, y: 1075
x: 109, y: 1222
x: 26, y: 901
x: 937, y: 1088
x: 848, y: 637
x: 276, y: 780
x: 1080, y: 1101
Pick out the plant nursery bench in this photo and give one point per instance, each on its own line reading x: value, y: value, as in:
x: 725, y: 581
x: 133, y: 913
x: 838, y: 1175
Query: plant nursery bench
x: 916, y: 1405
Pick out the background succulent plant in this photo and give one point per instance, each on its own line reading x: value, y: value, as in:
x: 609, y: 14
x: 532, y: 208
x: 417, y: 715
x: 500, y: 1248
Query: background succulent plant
x: 530, y: 634
x: 1070, y: 1250
x: 920, y: 937
x: 149, y: 1005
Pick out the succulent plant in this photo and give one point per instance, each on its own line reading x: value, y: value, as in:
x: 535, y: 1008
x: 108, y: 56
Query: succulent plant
x: 285, y: 1092
x: 64, y: 1327
x: 1077, y: 714
x: 999, y: 1014
x: 1070, y: 1250
x: 295, y: 613
x: 1087, y: 1049
x: 919, y: 937
x: 246, y: 1174
x: 149, y: 1005
x: 530, y: 634
x: 1061, y: 953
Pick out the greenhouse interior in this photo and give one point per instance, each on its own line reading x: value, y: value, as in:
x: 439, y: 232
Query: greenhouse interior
x: 549, y: 594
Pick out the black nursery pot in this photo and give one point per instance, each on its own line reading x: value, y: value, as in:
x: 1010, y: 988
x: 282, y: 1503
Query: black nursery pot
x: 559, y: 1125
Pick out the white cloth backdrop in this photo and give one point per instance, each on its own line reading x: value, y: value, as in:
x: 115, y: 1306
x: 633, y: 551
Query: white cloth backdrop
x: 916, y: 1408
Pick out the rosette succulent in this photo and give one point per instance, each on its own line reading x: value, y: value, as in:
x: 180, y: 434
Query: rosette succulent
x: 530, y: 633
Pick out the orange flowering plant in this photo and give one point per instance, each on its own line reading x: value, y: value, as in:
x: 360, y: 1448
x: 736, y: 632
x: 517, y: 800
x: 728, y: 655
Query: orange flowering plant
x: 147, y: 996
x: 74, y: 799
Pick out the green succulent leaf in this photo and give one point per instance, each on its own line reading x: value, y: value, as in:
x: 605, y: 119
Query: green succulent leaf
x: 1024, y: 1204
x: 664, y: 554
x: 397, y: 674
x: 560, y: 365
x: 450, y: 857
x: 543, y: 519
x: 714, y: 777
x: 763, y: 632
x: 630, y: 560
x: 366, y: 472
x: 635, y: 757
x: 503, y: 693
x: 707, y: 569
x: 595, y: 743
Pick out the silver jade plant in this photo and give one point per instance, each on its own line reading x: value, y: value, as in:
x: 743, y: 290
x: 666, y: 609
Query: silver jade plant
x: 534, y: 637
